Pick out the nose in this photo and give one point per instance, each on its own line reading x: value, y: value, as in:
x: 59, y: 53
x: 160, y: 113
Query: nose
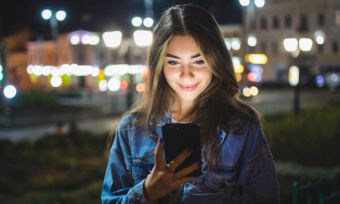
x: 186, y: 71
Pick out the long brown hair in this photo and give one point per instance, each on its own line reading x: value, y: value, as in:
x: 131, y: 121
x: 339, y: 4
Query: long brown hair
x: 219, y: 104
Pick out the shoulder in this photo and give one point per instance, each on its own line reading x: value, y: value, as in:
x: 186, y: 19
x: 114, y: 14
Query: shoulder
x: 128, y: 121
x: 256, y: 145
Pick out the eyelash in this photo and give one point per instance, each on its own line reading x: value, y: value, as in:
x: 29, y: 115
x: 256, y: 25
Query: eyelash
x: 198, y: 62
x: 172, y: 62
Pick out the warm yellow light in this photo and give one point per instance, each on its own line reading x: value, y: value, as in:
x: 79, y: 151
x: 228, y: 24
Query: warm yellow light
x: 239, y: 69
x: 293, y: 75
x: 254, y: 91
x: 238, y: 77
x: 140, y: 87
x: 246, y: 92
x: 256, y: 58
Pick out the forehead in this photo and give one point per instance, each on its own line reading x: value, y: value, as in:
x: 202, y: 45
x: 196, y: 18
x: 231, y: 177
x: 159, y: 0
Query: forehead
x: 183, y: 43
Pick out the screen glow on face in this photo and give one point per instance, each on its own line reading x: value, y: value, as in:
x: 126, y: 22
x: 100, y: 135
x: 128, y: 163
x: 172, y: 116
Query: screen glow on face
x: 185, y: 69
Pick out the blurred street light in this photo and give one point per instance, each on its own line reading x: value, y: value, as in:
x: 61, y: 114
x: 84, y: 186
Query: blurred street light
x: 319, y: 37
x: 10, y: 91
x: 305, y: 44
x: 148, y: 22
x: 136, y: 21
x: 290, y: 44
x: 294, y: 46
x: 259, y: 3
x: 142, y: 38
x: 112, y: 39
x: 293, y: 75
x: 48, y: 14
x: 252, y: 41
x: 60, y: 15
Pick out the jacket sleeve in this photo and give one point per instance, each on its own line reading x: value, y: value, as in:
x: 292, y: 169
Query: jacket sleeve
x: 258, y: 180
x: 118, y: 185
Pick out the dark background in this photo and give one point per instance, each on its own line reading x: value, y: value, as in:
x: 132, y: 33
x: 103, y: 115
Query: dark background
x: 98, y: 15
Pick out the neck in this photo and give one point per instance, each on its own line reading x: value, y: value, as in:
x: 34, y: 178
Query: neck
x: 181, y: 109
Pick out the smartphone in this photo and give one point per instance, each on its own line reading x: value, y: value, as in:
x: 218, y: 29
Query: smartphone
x: 179, y: 137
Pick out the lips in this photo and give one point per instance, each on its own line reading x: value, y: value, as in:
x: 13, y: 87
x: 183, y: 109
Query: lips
x: 189, y: 87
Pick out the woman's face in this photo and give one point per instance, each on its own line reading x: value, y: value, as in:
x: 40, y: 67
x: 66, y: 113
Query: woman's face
x: 184, y: 68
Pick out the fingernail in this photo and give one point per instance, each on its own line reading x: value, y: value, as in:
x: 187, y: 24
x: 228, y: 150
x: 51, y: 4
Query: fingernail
x: 161, y: 140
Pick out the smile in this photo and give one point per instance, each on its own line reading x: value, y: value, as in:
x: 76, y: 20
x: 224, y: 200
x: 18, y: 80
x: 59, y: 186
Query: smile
x: 188, y: 87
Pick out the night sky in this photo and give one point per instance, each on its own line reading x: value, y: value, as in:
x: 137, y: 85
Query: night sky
x: 97, y: 15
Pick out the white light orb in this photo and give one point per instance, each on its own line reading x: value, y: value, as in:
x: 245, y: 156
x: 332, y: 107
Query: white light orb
x: 148, y: 22
x: 114, y: 84
x: 46, y: 14
x: 244, y: 2
x: 319, y: 37
x: 137, y: 21
x: 60, y: 15
x: 112, y: 39
x: 294, y: 75
x: 142, y: 38
x: 56, y: 81
x: 235, y: 44
x: 254, y: 91
x: 252, y: 41
x: 103, y: 85
x: 260, y: 3
x: 10, y: 91
x: 305, y: 44
x: 246, y: 92
x: 290, y: 44
x: 75, y: 39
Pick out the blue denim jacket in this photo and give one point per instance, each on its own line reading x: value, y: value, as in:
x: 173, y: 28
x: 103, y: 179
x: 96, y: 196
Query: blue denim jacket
x: 245, y: 174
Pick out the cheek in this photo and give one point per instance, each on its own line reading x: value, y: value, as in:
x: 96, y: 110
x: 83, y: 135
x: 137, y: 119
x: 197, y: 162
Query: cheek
x: 206, y: 76
x: 169, y: 74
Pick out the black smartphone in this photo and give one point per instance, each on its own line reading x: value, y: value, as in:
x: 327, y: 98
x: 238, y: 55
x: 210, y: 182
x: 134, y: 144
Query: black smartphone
x: 179, y: 137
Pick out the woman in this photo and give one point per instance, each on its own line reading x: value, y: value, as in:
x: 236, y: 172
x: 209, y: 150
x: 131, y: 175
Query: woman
x: 191, y: 80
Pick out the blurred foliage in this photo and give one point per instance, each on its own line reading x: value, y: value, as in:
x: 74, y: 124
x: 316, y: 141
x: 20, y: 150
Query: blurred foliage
x: 37, y: 100
x: 54, y: 169
x: 70, y: 169
x: 309, y: 138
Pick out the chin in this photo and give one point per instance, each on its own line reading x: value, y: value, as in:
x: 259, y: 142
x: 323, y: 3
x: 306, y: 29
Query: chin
x: 189, y: 96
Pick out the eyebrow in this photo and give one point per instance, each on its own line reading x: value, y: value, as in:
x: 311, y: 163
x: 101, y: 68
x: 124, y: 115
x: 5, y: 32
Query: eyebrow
x: 174, y: 56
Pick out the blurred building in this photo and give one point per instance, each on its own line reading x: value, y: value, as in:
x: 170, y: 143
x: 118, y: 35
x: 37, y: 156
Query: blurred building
x: 292, y: 32
x: 78, y: 61
x: 16, y: 59
x: 232, y: 35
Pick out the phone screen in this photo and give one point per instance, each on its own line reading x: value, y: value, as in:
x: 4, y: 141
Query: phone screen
x: 181, y: 136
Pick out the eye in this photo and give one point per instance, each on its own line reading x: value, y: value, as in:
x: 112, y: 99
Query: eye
x: 172, y: 62
x: 199, y: 62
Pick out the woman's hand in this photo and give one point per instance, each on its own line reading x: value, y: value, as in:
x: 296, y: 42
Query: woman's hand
x: 163, y: 179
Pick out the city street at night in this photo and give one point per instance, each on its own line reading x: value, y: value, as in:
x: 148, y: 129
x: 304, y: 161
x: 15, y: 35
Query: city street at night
x: 70, y: 71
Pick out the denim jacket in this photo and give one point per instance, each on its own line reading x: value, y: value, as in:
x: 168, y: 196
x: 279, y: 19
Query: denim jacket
x: 245, y: 173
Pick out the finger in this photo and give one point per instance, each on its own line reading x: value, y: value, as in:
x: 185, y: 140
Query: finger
x: 187, y: 170
x: 179, y: 159
x: 159, y: 154
x: 183, y: 181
